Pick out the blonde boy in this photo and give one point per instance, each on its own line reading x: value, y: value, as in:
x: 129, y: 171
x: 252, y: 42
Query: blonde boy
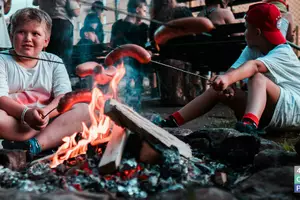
x: 29, y: 88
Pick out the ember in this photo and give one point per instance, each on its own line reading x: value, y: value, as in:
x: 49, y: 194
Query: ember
x: 133, y: 179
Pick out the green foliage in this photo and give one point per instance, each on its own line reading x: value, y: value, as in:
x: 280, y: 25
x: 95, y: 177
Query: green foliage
x: 288, y: 146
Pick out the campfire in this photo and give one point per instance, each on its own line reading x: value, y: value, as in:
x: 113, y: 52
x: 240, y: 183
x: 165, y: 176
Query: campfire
x: 120, y: 152
x: 101, y: 127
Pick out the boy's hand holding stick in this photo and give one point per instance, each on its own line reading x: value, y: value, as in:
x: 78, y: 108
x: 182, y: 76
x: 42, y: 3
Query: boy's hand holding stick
x: 221, y: 83
x: 34, y: 118
x: 45, y: 115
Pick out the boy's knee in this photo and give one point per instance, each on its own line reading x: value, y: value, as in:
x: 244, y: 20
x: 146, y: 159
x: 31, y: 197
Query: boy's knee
x: 258, y: 78
x: 81, y: 107
x: 3, y: 117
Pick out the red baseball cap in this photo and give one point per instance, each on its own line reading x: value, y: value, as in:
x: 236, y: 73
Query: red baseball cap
x: 267, y: 18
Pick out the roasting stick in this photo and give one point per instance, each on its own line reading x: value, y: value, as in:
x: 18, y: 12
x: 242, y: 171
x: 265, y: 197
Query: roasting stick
x: 43, y: 117
x: 14, y: 54
x: 178, y: 69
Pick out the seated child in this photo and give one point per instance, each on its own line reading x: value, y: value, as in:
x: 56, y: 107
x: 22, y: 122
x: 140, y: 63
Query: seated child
x: 87, y: 46
x: 88, y: 36
x: 30, y: 88
x: 273, y: 69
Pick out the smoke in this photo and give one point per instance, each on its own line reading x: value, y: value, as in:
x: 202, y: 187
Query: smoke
x: 131, y: 86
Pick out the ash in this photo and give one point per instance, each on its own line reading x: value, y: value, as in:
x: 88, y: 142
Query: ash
x: 133, y: 179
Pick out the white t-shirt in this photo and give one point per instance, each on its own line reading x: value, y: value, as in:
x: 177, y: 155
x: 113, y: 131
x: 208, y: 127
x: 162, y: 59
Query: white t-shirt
x: 4, y: 37
x: 284, y: 70
x: 35, y: 87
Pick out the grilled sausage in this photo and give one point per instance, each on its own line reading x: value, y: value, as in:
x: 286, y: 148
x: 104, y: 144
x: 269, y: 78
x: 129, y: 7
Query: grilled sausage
x: 182, y: 27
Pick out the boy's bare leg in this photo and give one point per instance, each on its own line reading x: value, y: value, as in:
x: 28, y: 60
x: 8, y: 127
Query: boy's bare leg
x: 12, y: 129
x: 262, y: 91
x: 64, y: 125
x: 206, y: 101
x: 237, y: 103
x: 200, y: 105
x: 262, y: 97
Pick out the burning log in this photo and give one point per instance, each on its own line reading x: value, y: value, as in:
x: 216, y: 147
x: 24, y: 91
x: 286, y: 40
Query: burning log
x: 44, y: 159
x: 13, y: 159
x: 149, y: 155
x: 126, y: 117
x: 112, y: 156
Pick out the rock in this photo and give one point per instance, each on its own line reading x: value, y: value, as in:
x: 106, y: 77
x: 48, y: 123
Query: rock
x: 230, y: 145
x: 179, y: 131
x: 269, y: 144
x: 275, y: 158
x: 195, y: 194
x: 226, y: 144
x: 271, y: 183
x: 297, y: 147
x: 61, y: 195
x: 213, y: 194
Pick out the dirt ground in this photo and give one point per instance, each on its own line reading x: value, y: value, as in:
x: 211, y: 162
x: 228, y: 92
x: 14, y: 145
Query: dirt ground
x: 219, y: 117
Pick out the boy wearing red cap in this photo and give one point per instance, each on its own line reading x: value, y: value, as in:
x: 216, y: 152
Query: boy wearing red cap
x: 273, y: 69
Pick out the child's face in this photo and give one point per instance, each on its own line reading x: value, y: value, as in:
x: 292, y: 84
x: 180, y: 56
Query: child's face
x: 252, y: 35
x: 142, y: 10
x: 29, y: 39
x: 91, y: 36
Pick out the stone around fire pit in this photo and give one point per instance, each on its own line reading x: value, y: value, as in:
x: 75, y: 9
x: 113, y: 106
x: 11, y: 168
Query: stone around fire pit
x: 271, y: 183
x: 60, y: 195
x: 226, y: 144
x: 275, y: 158
x: 211, y: 193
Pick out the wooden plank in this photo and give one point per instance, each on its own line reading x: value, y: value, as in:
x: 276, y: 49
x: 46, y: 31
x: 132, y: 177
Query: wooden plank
x: 126, y: 117
x: 112, y: 156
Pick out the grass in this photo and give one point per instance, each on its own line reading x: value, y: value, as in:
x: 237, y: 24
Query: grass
x: 288, y: 146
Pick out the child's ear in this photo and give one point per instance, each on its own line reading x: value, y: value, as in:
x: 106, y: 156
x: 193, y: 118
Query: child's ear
x: 258, y: 32
x: 46, y: 43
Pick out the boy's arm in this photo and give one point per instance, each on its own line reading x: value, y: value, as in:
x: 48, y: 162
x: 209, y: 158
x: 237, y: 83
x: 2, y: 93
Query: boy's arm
x: 53, y: 105
x: 11, y: 107
x: 60, y: 86
x: 246, y: 70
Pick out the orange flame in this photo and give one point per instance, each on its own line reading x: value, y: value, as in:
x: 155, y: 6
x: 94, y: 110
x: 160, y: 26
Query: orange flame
x: 99, y: 131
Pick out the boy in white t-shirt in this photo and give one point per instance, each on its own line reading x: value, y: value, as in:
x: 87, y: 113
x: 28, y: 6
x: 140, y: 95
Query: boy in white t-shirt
x: 273, y: 69
x: 30, y: 88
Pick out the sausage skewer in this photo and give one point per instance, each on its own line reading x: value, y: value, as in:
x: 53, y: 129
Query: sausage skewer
x: 44, y: 116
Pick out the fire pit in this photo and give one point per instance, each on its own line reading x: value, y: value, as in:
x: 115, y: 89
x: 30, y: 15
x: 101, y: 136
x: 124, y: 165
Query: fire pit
x: 132, y: 179
x: 124, y: 154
